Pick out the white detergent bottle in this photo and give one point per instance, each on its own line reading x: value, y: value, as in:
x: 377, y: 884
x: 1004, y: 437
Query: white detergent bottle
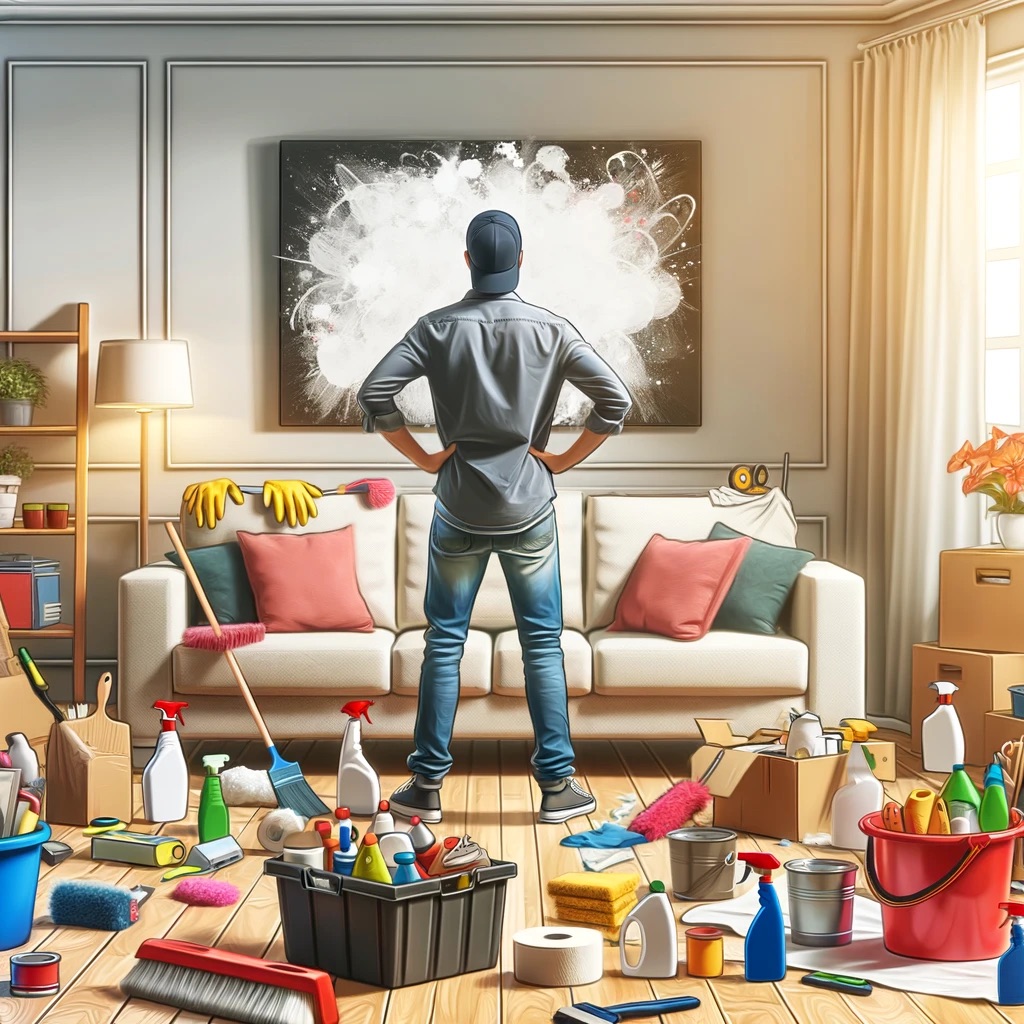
x: 165, y: 780
x: 861, y: 795
x: 659, y: 944
x: 23, y: 756
x: 942, y: 736
x: 358, y: 785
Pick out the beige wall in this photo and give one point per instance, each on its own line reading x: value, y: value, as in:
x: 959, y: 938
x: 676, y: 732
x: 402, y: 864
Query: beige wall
x: 771, y: 105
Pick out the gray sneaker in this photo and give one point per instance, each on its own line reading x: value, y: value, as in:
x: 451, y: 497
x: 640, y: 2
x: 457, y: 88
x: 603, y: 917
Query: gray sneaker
x: 568, y: 801
x: 418, y: 796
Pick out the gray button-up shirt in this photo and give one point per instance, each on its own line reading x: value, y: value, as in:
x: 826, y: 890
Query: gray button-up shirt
x: 496, y: 365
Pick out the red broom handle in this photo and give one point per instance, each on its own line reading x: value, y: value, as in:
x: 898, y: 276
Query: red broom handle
x: 236, y: 671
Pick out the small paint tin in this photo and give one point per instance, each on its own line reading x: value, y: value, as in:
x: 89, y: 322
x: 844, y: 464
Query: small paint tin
x: 35, y: 974
x: 304, y: 848
x: 705, y: 952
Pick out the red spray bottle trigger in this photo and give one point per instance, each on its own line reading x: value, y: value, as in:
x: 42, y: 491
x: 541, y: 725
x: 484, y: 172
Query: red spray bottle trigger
x: 171, y: 710
x: 763, y: 863
x: 355, y: 708
x: 1012, y: 910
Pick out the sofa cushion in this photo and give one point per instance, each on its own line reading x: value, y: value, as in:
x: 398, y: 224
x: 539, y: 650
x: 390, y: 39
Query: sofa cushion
x: 306, y: 583
x: 221, y: 571
x: 509, y: 680
x: 493, y: 609
x: 474, y: 672
x: 619, y: 526
x: 759, y: 592
x: 374, y: 538
x: 677, y: 586
x: 293, y: 664
x: 719, y: 664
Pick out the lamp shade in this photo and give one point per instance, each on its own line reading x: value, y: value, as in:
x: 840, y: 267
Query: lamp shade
x: 150, y: 374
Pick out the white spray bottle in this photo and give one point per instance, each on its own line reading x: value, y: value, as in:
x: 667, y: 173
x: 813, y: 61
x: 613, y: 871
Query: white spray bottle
x: 861, y: 795
x: 165, y: 780
x: 942, y: 736
x: 358, y: 785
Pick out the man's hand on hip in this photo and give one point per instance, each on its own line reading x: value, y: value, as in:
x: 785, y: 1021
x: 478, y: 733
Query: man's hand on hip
x: 429, y: 462
x: 554, y: 462
x: 432, y: 463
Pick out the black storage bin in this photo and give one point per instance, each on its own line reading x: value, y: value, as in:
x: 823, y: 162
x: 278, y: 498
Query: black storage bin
x: 391, y: 935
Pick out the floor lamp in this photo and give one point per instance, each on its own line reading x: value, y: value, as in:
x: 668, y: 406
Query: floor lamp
x: 144, y: 375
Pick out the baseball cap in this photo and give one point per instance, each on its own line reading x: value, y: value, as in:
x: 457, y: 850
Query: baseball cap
x: 493, y: 241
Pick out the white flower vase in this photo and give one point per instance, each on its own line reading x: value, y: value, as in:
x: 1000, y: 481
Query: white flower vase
x: 1010, y: 527
x: 8, y: 500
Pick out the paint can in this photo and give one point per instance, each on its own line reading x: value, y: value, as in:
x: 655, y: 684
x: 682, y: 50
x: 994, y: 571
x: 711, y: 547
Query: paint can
x: 821, y: 901
x: 704, y: 864
x: 705, y: 952
x: 35, y: 974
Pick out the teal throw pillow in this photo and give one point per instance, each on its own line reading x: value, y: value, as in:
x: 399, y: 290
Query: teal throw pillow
x: 221, y: 572
x: 765, y: 579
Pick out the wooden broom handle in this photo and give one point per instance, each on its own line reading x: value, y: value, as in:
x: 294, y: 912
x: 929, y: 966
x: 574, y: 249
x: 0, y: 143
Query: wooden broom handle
x: 236, y: 671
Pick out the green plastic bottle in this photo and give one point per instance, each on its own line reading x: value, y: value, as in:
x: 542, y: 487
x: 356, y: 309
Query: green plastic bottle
x: 214, y: 817
x: 962, y: 797
x: 994, y: 815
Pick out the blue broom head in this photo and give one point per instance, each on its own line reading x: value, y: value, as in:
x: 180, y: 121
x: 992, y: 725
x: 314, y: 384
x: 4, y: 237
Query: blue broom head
x: 93, y: 905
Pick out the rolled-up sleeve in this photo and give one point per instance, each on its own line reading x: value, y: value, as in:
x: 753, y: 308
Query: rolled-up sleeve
x: 376, y: 397
x: 586, y: 370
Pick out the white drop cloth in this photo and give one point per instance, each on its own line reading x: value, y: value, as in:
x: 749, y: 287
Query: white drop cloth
x: 865, y: 957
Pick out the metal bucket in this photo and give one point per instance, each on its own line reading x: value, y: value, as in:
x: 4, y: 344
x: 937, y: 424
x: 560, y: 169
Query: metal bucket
x: 821, y: 901
x: 703, y: 862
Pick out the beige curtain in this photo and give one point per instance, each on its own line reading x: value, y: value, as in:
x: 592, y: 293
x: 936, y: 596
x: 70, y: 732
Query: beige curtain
x: 917, y: 334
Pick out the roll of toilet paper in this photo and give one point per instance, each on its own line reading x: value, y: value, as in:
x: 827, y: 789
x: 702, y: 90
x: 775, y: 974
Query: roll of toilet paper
x: 555, y: 957
x: 276, y: 825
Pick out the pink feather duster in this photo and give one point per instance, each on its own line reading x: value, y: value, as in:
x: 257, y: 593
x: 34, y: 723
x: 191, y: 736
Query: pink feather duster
x: 671, y: 810
x: 232, y: 635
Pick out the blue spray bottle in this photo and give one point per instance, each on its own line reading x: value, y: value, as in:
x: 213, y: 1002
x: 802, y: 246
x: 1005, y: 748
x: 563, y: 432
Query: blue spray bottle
x: 764, y: 951
x: 1011, y: 963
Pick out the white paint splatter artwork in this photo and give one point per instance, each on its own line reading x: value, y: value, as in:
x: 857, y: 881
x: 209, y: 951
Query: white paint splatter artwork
x: 373, y: 235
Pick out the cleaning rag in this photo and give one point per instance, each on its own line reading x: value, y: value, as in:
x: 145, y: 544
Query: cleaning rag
x: 598, y: 860
x: 608, y: 837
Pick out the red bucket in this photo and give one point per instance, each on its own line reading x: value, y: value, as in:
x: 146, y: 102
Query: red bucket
x: 940, y: 895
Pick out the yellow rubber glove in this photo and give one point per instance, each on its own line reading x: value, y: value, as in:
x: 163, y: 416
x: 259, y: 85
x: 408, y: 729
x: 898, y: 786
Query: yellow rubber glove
x: 208, y: 499
x: 294, y: 498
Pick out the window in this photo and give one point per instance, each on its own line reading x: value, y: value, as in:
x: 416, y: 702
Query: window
x: 1004, y: 263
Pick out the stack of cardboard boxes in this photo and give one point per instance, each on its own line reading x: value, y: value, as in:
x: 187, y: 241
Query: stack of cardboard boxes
x: 980, y: 648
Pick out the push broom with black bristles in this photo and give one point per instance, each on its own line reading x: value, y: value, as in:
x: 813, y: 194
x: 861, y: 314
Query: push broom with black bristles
x: 290, y: 786
x: 203, y: 980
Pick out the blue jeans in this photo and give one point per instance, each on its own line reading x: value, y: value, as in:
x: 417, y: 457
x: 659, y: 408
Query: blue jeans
x: 455, y: 568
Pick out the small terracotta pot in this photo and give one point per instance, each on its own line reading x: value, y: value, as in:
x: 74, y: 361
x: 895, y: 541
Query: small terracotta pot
x: 57, y: 515
x: 33, y: 516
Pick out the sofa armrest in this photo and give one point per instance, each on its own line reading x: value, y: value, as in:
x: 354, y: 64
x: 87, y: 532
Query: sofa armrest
x: 152, y: 613
x: 827, y: 614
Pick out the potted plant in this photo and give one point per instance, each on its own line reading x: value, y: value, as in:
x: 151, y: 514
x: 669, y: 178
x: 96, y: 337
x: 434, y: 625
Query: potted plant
x: 15, y: 465
x: 996, y: 468
x: 22, y: 388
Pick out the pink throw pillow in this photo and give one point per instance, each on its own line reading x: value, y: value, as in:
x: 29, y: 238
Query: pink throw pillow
x: 305, y: 582
x: 677, y: 586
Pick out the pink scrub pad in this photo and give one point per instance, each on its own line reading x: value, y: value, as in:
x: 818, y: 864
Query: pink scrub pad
x: 205, y: 892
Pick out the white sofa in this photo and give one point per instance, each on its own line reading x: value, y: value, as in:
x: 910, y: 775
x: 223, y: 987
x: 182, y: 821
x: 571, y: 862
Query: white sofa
x: 620, y: 684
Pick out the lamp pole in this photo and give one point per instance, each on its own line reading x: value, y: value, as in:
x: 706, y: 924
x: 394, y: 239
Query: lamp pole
x: 143, y: 486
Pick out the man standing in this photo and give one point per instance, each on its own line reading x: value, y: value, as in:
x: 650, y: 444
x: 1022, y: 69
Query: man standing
x: 495, y: 365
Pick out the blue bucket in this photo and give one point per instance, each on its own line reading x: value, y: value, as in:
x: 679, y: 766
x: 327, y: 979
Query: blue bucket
x: 1017, y: 700
x: 19, y: 874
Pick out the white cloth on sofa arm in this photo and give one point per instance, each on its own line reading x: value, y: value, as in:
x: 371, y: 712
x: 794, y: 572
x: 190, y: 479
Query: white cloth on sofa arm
x: 474, y: 671
x: 720, y: 664
x: 758, y: 515
x: 293, y: 664
x: 508, y: 664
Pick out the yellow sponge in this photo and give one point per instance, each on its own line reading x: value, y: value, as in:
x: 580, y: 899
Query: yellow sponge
x: 602, y: 918
x: 601, y: 906
x: 592, y: 886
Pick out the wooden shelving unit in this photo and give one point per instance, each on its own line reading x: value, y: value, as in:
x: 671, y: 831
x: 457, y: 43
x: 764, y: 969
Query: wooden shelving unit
x: 79, y: 430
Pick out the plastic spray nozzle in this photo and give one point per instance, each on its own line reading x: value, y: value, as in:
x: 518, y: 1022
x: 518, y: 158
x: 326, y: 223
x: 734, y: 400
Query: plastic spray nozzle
x: 945, y: 691
x: 355, y: 708
x: 171, y: 710
x: 763, y: 863
x: 213, y: 763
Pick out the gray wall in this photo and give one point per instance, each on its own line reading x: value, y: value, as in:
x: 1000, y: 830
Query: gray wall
x: 183, y: 239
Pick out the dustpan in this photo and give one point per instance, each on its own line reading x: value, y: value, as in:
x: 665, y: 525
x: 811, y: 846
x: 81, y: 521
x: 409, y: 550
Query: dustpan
x: 90, y: 769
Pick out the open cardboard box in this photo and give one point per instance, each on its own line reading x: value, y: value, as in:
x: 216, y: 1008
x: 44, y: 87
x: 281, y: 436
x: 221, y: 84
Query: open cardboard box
x: 770, y: 794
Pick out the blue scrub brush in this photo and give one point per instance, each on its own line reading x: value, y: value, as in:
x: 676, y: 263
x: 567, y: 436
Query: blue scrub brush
x: 107, y: 908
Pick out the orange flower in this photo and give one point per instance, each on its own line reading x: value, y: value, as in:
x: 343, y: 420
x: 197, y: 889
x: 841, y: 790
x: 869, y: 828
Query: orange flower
x: 974, y: 480
x: 1011, y: 465
x: 959, y: 459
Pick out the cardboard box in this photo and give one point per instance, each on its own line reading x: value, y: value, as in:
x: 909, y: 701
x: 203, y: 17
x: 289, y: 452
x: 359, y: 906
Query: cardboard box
x: 771, y: 794
x: 981, y: 599
x: 1001, y: 726
x: 983, y: 678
